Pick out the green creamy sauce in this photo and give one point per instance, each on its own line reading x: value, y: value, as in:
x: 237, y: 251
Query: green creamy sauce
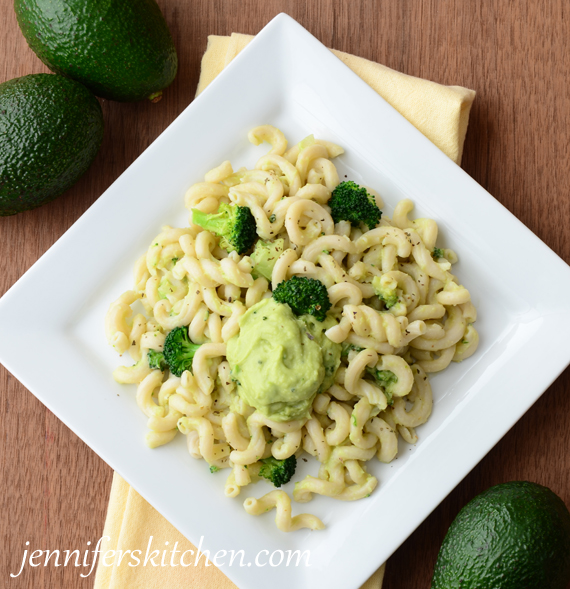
x: 280, y: 362
x: 330, y: 351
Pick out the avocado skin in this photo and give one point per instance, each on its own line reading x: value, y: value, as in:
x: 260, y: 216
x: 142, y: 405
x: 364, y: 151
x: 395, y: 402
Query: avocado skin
x: 51, y: 129
x: 119, y: 49
x: 513, y: 536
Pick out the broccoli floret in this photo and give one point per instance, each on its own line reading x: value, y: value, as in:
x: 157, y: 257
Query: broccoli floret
x: 346, y: 348
x: 214, y: 469
x: 179, y: 350
x: 438, y: 253
x: 305, y: 296
x: 385, y: 379
x: 279, y: 472
x: 385, y: 293
x: 264, y: 256
x: 234, y: 224
x: 389, y: 298
x: 156, y: 360
x: 350, y: 202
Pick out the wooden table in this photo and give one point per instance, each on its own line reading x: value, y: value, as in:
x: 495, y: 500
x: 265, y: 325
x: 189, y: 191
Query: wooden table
x: 54, y: 489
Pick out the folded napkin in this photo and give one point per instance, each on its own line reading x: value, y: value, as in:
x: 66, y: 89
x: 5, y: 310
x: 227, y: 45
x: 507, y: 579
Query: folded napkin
x: 441, y: 113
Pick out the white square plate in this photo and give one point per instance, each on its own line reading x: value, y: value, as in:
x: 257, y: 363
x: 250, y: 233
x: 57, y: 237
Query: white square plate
x: 54, y: 314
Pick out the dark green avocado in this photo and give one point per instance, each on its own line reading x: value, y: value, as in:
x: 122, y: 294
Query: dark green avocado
x: 512, y: 536
x: 51, y: 129
x: 120, y: 49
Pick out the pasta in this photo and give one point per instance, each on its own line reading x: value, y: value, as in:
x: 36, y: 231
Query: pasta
x: 378, y: 394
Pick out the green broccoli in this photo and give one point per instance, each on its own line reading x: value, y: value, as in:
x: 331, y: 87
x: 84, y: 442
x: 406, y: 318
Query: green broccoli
x: 264, y: 256
x: 305, y: 296
x: 156, y: 360
x: 279, y: 472
x: 390, y: 299
x: 384, y: 379
x: 385, y: 293
x: 179, y: 350
x: 438, y: 253
x: 214, y: 469
x: 234, y: 224
x: 350, y: 202
x: 347, y: 348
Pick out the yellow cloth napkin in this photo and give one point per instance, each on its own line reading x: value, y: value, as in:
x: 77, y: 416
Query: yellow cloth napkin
x: 441, y: 113
x: 131, y: 521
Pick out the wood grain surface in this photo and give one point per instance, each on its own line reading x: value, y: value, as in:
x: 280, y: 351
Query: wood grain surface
x: 516, y: 55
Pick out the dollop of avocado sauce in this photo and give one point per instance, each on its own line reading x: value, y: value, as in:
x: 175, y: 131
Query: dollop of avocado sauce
x: 279, y: 362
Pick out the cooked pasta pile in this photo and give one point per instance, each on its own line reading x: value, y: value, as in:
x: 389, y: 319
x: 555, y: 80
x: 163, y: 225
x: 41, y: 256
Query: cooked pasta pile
x: 186, y: 279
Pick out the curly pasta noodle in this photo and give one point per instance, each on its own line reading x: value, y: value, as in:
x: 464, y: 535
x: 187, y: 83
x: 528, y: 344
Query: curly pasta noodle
x: 381, y: 391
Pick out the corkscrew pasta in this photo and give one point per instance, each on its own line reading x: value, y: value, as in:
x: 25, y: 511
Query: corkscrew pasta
x: 186, y: 279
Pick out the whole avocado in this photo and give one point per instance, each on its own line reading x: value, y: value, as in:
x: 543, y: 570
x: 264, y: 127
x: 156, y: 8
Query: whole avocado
x: 120, y: 49
x: 513, y: 536
x: 51, y: 129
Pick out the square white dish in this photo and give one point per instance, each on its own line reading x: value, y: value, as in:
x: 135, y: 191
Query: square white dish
x: 285, y: 77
